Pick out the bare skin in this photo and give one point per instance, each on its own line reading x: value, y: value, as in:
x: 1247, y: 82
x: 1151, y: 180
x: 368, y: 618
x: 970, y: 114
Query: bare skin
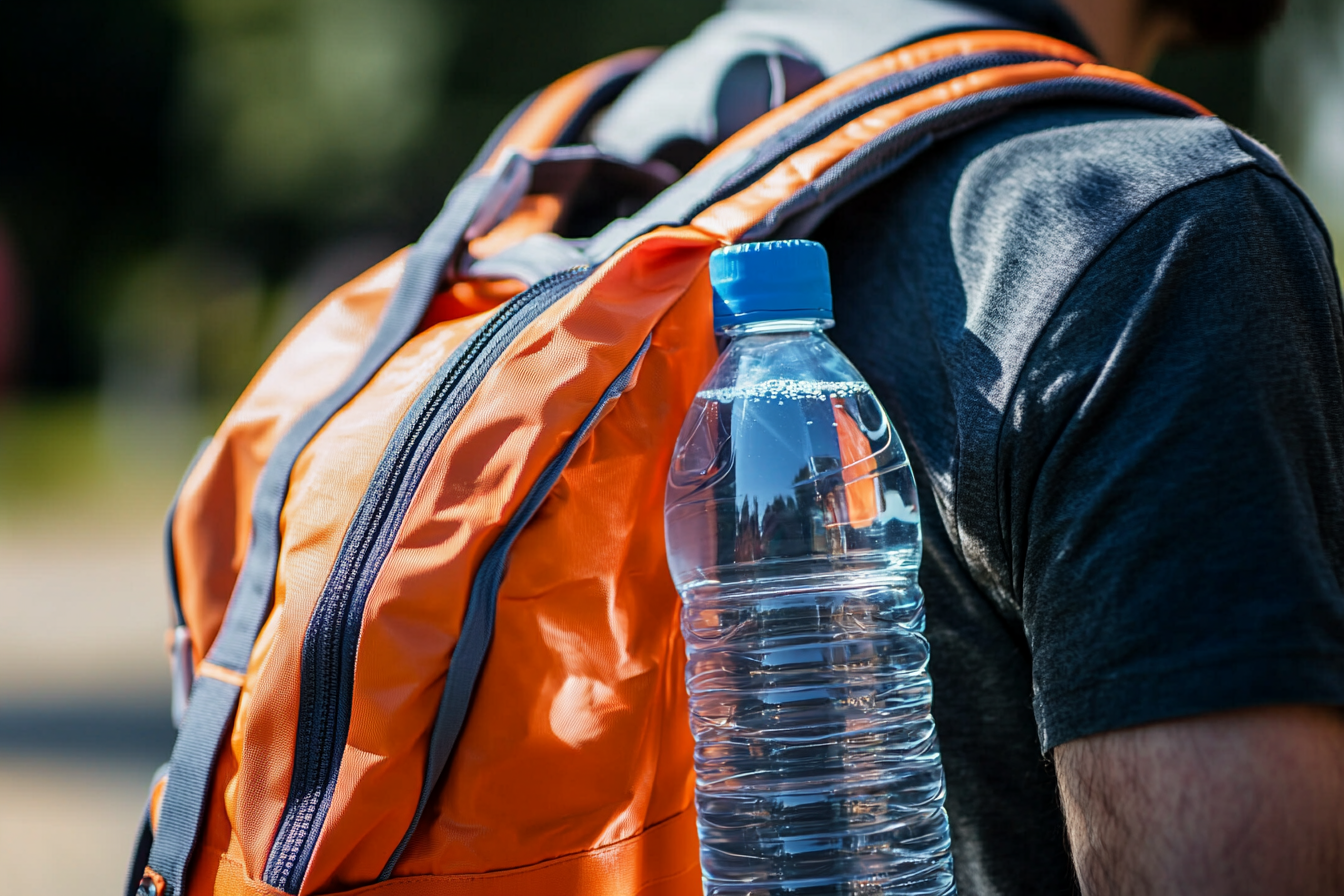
x: 1248, y: 802
x: 1126, y: 33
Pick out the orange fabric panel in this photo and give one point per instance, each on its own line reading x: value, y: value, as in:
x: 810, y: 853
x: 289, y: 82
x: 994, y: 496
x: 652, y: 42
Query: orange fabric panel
x: 902, y: 60
x: 534, y: 214
x: 466, y: 298
x: 328, y: 482
x: 650, y: 864
x: 531, y: 401
x: 730, y: 219
x: 212, y: 525
x: 543, y: 122
x: 578, y: 736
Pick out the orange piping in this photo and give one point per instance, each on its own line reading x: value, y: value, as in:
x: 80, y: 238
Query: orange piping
x: 902, y: 60
x: 219, y: 673
x: 730, y: 219
x: 1097, y: 70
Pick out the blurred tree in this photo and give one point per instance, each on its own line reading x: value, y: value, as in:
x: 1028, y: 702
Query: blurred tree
x: 88, y: 88
x: 149, y: 145
x: 186, y: 326
x: 261, y: 131
x: 310, y: 107
x: 1301, y: 103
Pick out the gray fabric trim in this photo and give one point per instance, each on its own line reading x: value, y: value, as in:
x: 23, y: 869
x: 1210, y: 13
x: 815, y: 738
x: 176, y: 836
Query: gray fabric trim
x: 213, y: 703
x: 531, y: 261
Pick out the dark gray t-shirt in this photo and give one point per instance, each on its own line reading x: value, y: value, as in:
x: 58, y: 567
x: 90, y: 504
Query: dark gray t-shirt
x: 1113, y: 346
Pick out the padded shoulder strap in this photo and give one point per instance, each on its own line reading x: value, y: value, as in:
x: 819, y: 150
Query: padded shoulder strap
x: 784, y: 172
x: 836, y: 155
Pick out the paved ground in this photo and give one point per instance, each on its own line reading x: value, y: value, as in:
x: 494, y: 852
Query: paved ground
x: 83, y: 699
x: 66, y: 826
x: 83, y: 682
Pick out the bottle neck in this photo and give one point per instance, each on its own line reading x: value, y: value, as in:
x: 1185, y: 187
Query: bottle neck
x: 779, y: 325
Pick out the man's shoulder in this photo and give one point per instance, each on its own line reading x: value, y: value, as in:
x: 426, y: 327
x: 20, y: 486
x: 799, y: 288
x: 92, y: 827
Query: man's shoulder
x: 1048, y: 191
x: 1103, y: 158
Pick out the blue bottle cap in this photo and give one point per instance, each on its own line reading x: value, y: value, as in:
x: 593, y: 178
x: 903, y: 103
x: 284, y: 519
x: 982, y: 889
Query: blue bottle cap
x: 774, y: 280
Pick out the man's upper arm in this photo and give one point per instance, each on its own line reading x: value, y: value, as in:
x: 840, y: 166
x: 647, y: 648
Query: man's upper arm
x: 1173, y: 482
x: 1172, y: 470
x: 1247, y: 802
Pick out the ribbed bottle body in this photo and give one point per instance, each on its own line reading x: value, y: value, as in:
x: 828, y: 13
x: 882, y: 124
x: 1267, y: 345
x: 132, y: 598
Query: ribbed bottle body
x: 793, y: 536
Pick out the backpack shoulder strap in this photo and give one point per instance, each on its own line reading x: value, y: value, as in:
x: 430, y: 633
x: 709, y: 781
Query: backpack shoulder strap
x: 790, y: 195
x: 785, y: 171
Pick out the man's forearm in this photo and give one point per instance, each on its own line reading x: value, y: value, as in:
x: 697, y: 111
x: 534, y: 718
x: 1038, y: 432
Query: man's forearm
x: 1247, y: 802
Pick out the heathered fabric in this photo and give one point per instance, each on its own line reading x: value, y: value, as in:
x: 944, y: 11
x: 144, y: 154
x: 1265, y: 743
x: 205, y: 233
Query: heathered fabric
x: 1113, y: 346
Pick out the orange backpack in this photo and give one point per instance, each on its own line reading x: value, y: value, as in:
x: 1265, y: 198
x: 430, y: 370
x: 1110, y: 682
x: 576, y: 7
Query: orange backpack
x: 427, y: 629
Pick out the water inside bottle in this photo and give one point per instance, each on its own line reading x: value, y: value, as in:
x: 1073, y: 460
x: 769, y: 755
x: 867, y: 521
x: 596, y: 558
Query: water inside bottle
x: 793, y: 535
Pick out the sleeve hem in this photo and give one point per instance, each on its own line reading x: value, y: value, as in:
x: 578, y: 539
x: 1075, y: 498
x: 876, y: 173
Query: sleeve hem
x: 1239, y: 682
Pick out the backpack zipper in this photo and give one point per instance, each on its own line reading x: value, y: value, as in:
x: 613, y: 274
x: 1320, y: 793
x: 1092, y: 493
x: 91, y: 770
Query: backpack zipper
x: 332, y: 638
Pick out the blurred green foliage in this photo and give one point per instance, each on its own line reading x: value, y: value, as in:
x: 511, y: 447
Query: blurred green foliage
x: 311, y: 106
x: 174, y: 174
x: 59, y: 453
x: 181, y: 179
x: 48, y: 447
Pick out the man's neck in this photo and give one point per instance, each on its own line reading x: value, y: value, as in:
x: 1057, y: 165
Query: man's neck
x: 1126, y: 33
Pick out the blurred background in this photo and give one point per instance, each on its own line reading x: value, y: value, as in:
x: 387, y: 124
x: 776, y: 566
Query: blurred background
x: 180, y: 180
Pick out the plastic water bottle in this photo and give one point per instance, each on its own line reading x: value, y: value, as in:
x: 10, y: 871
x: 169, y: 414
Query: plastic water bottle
x: 793, y: 536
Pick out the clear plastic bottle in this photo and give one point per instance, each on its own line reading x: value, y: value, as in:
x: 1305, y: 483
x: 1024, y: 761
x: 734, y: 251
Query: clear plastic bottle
x: 793, y: 536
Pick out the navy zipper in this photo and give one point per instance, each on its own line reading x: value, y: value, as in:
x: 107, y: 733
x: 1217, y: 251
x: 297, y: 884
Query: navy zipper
x: 332, y: 637
x: 478, y: 623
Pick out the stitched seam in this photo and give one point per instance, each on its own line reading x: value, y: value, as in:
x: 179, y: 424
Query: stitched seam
x: 502, y: 874
x: 220, y: 673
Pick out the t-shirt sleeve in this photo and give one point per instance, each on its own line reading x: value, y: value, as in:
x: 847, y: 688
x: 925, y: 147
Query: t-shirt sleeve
x: 1172, y: 469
